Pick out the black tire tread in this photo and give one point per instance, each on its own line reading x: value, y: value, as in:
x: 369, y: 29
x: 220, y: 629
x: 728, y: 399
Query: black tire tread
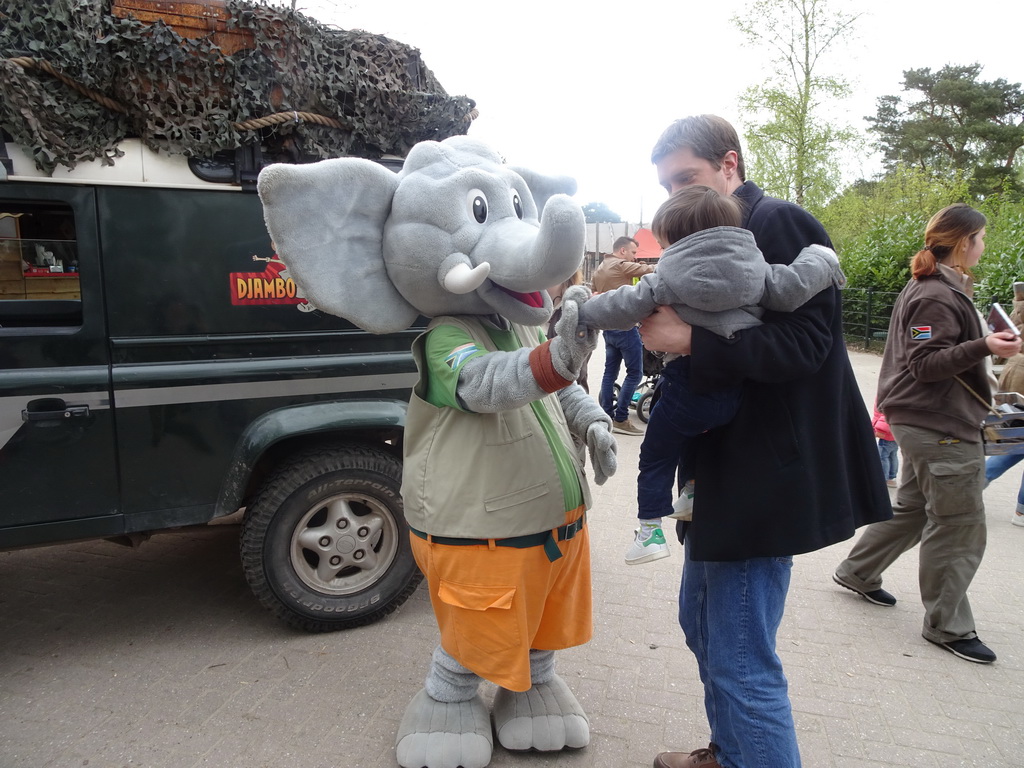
x: 640, y: 403
x: 286, y: 479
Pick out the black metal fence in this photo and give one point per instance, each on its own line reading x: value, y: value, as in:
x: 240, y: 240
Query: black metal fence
x: 866, y: 314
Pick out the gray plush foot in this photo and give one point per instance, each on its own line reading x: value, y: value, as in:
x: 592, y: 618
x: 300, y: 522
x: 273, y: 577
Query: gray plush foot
x: 547, y: 718
x: 435, y: 734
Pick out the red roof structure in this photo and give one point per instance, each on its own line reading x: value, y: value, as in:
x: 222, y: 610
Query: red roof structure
x: 649, y: 248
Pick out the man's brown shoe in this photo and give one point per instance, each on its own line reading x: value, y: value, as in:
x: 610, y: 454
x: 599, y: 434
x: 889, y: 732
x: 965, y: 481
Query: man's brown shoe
x: 625, y: 427
x: 703, y: 758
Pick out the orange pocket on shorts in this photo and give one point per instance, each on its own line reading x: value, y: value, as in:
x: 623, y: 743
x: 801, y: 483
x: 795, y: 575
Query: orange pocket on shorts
x: 482, y: 616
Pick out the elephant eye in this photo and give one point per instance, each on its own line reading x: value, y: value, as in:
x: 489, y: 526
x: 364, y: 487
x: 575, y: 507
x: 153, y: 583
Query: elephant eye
x: 517, y: 204
x: 478, y: 205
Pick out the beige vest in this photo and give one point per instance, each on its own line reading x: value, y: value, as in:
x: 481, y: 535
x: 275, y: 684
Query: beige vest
x: 482, y: 475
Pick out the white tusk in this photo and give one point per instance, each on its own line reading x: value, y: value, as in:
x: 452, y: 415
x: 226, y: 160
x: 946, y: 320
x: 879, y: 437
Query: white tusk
x: 462, y: 278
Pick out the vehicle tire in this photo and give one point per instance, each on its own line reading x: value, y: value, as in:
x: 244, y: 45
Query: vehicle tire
x: 615, y: 394
x: 325, y: 545
x: 643, y: 406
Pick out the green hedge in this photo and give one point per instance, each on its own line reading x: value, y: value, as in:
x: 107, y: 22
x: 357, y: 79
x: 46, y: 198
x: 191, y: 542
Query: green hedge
x: 878, y: 226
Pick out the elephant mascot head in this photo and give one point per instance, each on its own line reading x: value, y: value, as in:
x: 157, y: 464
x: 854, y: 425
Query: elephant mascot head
x: 456, y: 232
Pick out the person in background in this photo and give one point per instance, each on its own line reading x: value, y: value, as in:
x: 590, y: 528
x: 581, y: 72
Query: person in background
x: 888, y: 450
x: 795, y: 470
x: 932, y: 387
x: 1011, y: 380
x: 617, y: 269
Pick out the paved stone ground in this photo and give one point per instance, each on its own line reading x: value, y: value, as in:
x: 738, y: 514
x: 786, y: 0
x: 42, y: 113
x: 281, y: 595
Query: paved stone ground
x: 160, y: 657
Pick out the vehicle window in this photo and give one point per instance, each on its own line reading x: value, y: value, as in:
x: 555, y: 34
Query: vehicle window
x: 39, y: 281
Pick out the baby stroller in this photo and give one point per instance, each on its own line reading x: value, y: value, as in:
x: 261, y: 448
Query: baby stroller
x: 644, y: 394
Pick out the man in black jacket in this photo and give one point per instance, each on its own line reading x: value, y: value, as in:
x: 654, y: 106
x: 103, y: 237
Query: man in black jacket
x: 795, y: 471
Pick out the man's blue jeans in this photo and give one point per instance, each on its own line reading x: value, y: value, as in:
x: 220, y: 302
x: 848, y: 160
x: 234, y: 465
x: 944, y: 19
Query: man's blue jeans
x: 621, y: 346
x: 730, y: 613
x: 995, y: 466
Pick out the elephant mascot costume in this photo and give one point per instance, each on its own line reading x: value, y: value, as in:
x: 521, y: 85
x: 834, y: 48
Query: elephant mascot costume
x: 493, y: 487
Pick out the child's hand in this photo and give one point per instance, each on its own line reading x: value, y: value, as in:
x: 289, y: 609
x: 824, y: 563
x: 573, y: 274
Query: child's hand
x: 833, y: 261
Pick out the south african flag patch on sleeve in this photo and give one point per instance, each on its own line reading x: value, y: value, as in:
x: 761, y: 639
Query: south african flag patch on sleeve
x: 459, y: 354
x: 920, y: 332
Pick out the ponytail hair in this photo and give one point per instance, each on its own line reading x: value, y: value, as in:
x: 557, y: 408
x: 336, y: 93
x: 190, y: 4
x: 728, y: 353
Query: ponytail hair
x: 945, y: 239
x: 923, y: 263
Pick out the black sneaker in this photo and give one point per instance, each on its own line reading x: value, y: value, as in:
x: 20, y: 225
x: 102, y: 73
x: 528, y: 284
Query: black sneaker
x: 876, y: 596
x: 972, y: 649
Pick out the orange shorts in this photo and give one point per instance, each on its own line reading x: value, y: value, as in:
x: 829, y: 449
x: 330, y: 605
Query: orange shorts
x: 493, y: 604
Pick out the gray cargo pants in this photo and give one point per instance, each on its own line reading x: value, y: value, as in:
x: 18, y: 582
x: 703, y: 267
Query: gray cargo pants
x: 939, y: 504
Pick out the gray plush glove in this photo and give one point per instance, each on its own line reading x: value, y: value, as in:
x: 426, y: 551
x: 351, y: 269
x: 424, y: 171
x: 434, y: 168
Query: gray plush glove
x: 572, y: 344
x: 602, y: 446
x: 591, y: 425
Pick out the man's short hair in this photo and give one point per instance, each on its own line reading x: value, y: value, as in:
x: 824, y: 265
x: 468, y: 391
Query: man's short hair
x: 622, y: 242
x: 707, y: 136
x: 693, y: 209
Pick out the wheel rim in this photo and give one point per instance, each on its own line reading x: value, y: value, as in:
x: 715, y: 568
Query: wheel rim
x: 344, y: 544
x: 645, y: 407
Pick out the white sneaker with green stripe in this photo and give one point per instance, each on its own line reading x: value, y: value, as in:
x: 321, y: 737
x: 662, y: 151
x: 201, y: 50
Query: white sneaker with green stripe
x: 682, y: 508
x: 654, y: 547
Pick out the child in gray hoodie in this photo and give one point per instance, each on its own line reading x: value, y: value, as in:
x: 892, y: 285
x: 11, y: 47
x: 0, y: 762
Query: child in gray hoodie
x: 713, y: 275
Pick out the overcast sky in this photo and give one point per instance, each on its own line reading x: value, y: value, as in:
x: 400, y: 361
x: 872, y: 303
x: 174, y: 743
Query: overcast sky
x: 585, y: 88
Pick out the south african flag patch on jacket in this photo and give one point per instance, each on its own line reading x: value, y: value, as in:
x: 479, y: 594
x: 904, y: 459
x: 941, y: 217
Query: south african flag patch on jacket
x: 919, y: 332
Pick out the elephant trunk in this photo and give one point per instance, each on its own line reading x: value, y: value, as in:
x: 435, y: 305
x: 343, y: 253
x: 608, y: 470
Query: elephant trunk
x: 524, y: 258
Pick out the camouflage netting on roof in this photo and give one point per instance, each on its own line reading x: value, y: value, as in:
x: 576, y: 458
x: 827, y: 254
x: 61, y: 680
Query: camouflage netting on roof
x: 186, y: 96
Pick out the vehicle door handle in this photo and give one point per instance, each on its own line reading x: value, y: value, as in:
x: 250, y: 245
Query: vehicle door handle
x: 52, y: 409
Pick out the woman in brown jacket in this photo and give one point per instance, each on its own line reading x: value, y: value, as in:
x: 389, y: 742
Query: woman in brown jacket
x: 935, y: 354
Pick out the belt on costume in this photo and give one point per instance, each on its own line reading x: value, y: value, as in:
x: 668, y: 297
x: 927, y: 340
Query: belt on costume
x: 544, y: 538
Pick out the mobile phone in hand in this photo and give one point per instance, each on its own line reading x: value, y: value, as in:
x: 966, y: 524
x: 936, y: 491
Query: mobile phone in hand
x: 998, y: 320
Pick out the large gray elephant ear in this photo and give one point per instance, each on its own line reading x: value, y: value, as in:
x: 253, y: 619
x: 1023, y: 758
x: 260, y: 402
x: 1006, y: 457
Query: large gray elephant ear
x: 545, y: 187
x: 327, y: 223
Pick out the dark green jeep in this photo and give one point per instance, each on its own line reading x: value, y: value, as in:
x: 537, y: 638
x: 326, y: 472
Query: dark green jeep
x: 159, y: 369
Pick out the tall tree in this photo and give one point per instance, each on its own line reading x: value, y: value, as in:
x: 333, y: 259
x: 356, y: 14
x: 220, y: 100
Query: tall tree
x: 597, y: 213
x: 953, y: 121
x: 791, y: 145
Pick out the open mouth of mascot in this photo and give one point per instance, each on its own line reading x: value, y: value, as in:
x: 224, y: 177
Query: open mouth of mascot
x: 533, y: 299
